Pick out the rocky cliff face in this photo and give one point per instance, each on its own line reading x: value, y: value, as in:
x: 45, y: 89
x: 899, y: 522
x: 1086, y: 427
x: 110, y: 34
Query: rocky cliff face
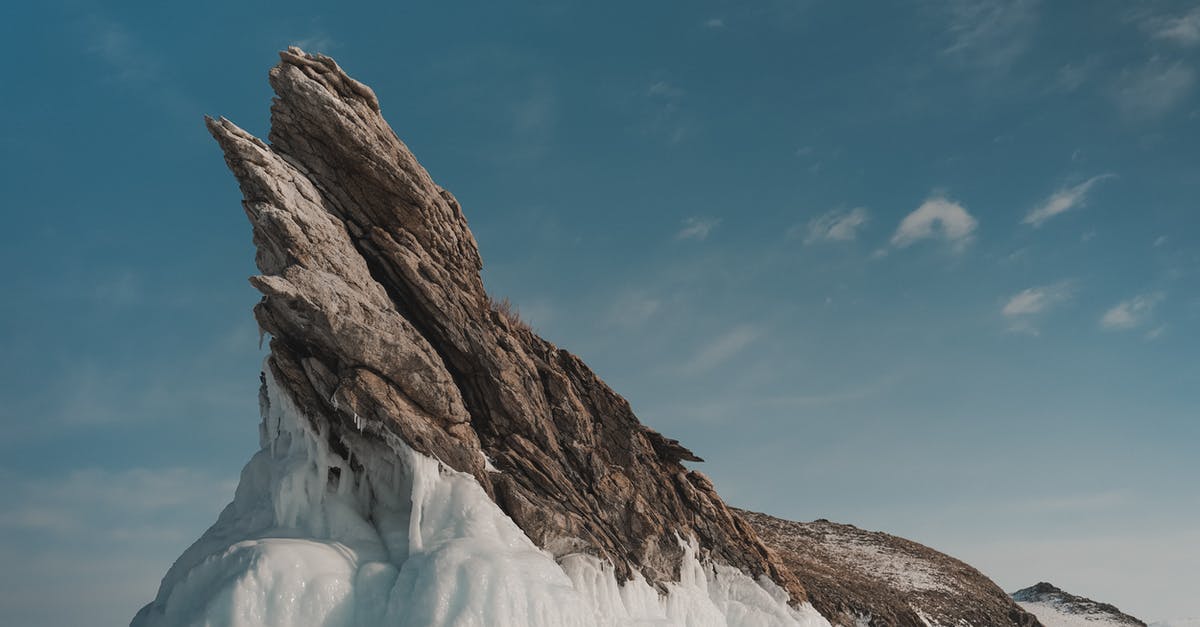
x: 858, y: 577
x: 379, y: 322
x: 1057, y: 608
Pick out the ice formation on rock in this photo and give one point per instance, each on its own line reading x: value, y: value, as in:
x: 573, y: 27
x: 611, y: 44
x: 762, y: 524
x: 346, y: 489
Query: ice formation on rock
x: 393, y: 537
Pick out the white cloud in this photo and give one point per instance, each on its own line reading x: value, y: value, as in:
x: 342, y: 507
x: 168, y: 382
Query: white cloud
x: 1179, y: 29
x: 990, y: 33
x: 722, y: 348
x: 714, y: 23
x: 697, y: 228
x: 1036, y: 300
x: 839, y: 225
x: 1061, y: 201
x: 1024, y: 308
x: 1154, y: 89
x: 936, y: 218
x: 1132, y: 313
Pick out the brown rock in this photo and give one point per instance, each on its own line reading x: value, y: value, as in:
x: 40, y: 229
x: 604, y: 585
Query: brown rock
x: 379, y: 319
x: 852, y: 575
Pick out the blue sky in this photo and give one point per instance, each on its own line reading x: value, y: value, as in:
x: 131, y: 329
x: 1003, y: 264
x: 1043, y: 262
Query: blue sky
x: 925, y: 267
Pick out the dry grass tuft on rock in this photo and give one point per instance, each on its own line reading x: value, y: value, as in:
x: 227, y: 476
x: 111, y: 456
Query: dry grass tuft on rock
x: 510, y: 312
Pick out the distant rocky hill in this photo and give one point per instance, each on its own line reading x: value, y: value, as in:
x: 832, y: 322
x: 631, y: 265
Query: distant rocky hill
x: 1058, y: 608
x: 856, y: 577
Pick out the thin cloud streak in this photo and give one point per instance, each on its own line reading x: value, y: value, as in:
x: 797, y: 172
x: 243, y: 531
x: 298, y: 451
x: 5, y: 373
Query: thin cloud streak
x: 1024, y: 308
x: 1062, y: 201
x: 839, y: 225
x: 1132, y: 313
x: 722, y: 348
x: 990, y: 34
x: 697, y: 228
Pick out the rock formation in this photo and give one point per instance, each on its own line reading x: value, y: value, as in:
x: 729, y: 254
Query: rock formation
x: 417, y: 436
x: 378, y: 316
x: 858, y: 577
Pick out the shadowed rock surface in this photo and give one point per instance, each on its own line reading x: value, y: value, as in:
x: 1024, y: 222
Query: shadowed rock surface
x: 379, y: 321
x: 858, y: 577
x: 1056, y: 607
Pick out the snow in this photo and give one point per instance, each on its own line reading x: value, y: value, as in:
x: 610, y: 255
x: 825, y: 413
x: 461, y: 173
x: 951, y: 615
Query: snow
x: 903, y: 571
x: 396, y: 538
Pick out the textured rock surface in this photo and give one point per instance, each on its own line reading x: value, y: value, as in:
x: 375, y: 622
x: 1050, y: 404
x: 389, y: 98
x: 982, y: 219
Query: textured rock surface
x: 1057, y: 607
x: 379, y: 321
x: 852, y: 574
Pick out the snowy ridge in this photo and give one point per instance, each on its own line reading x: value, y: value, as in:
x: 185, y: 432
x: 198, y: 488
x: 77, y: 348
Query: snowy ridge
x: 393, y: 537
x: 1055, y: 607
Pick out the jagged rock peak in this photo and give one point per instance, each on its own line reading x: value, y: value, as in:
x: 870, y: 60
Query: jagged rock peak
x: 380, y: 323
x: 1055, y: 606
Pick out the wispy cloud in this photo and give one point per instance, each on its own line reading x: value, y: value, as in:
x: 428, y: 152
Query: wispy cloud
x: 722, y: 348
x: 697, y: 228
x: 1062, y: 200
x: 663, y: 89
x: 937, y: 218
x: 990, y: 34
x: 669, y: 118
x: 1153, y: 89
x: 632, y: 309
x: 1182, y: 29
x: 319, y: 42
x: 839, y: 225
x: 1132, y: 313
x: 125, y: 56
x: 1024, y: 307
x: 714, y: 23
x: 1071, y: 76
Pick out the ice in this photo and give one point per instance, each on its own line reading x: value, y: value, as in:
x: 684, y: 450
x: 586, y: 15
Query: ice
x: 399, y: 539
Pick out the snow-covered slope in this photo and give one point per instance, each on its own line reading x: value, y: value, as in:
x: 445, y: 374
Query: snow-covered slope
x: 392, y: 537
x: 1055, y: 607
